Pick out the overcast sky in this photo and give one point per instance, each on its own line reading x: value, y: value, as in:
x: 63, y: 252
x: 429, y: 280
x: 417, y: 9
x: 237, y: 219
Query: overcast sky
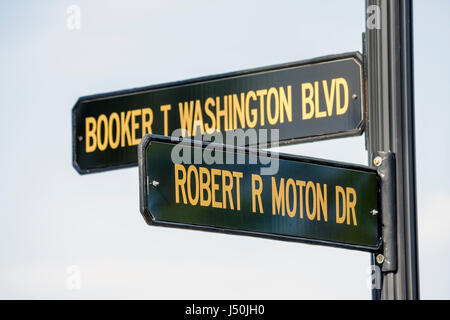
x: 52, y: 218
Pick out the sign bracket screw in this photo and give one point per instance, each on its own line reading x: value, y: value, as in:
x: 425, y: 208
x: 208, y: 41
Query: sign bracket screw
x: 154, y: 183
x: 380, y: 258
x: 377, y: 161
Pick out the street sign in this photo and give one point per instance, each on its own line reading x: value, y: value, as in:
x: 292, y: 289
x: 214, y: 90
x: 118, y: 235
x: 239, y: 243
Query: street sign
x: 189, y: 184
x: 308, y: 100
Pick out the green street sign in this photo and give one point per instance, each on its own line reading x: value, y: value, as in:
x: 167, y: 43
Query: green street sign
x: 308, y: 100
x: 190, y: 184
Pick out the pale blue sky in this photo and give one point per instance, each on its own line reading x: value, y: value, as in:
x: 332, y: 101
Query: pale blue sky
x: 52, y: 218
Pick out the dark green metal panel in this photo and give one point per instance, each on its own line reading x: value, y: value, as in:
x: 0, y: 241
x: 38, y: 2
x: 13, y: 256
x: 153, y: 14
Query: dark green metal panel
x: 346, y: 66
x: 159, y: 205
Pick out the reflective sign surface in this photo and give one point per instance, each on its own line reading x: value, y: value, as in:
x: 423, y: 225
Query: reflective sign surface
x: 282, y: 197
x: 307, y: 100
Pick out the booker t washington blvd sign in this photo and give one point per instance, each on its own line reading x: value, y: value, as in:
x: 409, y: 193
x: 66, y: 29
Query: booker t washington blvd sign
x: 189, y: 184
x: 307, y: 100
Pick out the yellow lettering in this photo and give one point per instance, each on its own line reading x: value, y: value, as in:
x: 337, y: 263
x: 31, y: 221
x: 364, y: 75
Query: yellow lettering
x: 210, y: 129
x: 102, y: 144
x: 351, y: 205
x: 322, y: 202
x: 250, y: 123
x: 319, y: 114
x: 221, y: 113
x: 214, y: 188
x: 286, y: 104
x: 238, y: 175
x: 290, y: 184
x: 165, y: 109
x: 270, y: 118
x: 256, y: 193
x: 307, y: 100
x: 124, y: 124
x: 114, y: 118
x: 329, y: 95
x: 198, y: 118
x: 278, y: 197
x: 180, y: 182
x: 239, y: 110
x: 261, y: 94
x: 341, y: 109
x: 186, y: 114
x: 310, y: 187
x: 91, y: 127
x: 300, y: 184
x: 134, y: 126
x: 204, y: 186
x: 340, y: 193
x: 193, y: 200
x: 226, y: 188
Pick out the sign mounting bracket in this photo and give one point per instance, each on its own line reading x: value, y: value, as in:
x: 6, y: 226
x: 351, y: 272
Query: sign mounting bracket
x: 385, y: 165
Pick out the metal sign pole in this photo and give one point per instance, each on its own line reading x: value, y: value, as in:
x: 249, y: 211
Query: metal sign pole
x: 388, y: 54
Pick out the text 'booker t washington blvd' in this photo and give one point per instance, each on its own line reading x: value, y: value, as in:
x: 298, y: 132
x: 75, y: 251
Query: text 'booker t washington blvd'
x: 307, y: 100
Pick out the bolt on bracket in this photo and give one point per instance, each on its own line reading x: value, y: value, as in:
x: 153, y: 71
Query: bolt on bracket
x: 385, y: 165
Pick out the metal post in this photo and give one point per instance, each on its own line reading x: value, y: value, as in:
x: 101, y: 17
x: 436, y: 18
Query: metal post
x: 388, y: 53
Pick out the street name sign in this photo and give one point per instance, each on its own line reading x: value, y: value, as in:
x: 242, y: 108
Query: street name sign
x: 308, y: 100
x: 211, y: 187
